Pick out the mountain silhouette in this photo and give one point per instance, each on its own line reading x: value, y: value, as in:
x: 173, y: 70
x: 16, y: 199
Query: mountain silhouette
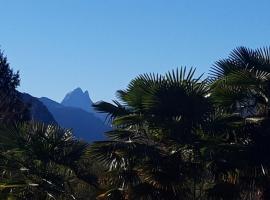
x: 85, y: 125
x: 78, y: 99
x: 37, y: 110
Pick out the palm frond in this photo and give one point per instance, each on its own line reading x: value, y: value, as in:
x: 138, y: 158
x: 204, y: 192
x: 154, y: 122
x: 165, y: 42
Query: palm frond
x: 112, y: 110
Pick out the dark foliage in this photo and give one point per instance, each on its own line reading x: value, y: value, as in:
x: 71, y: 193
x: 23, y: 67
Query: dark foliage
x: 12, y: 109
x: 175, y: 136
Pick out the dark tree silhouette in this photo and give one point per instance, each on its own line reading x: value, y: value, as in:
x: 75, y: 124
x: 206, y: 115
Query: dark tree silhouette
x: 12, y: 109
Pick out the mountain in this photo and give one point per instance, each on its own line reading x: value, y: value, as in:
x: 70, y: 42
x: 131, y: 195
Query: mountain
x: 78, y: 99
x: 85, y: 125
x: 38, y: 111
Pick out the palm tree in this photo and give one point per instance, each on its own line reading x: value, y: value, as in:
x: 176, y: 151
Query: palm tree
x: 174, y: 137
x: 241, y: 82
x: 40, y: 161
x: 241, y: 85
x: 153, y: 151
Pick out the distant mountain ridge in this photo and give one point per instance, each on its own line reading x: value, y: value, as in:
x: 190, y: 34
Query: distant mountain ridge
x: 37, y: 110
x: 79, y: 99
x: 76, y: 112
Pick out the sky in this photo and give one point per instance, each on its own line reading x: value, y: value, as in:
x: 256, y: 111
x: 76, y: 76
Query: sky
x: 100, y: 45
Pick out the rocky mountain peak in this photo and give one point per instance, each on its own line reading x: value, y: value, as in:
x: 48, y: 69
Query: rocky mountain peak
x: 78, y: 99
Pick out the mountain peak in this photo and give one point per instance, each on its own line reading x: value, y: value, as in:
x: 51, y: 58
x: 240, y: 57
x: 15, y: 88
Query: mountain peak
x: 79, y: 99
x: 78, y: 89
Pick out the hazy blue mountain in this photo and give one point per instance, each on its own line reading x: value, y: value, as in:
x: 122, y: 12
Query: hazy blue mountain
x: 78, y: 99
x: 38, y: 111
x: 85, y: 124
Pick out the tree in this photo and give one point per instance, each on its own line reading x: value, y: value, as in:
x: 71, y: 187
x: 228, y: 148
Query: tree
x: 11, y: 107
x: 40, y: 161
x: 212, y: 132
x: 241, y: 85
x: 154, y: 149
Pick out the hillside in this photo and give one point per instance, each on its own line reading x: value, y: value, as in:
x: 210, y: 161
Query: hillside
x: 85, y: 125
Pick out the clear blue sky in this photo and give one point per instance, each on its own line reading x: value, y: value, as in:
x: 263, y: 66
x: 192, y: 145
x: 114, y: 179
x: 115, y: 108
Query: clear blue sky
x: 100, y: 45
